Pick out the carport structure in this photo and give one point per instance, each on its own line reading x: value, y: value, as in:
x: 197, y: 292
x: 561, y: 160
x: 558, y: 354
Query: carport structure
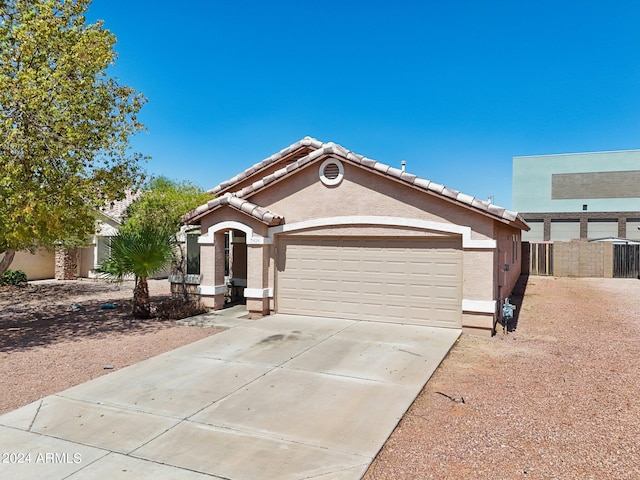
x: 332, y: 233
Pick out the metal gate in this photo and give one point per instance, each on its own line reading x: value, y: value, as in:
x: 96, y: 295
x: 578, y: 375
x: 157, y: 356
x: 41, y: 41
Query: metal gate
x: 541, y: 258
x: 626, y: 261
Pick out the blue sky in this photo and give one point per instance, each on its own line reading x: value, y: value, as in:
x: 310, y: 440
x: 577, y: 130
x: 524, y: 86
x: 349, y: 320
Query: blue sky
x: 455, y: 88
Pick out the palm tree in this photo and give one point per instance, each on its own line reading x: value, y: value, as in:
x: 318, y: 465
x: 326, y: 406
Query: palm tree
x: 139, y: 252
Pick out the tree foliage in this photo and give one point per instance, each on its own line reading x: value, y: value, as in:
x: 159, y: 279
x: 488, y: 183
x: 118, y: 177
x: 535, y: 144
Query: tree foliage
x: 163, y: 203
x: 146, y: 244
x: 65, y: 124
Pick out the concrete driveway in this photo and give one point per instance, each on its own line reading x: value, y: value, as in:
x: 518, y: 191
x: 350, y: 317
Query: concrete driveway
x: 283, y: 397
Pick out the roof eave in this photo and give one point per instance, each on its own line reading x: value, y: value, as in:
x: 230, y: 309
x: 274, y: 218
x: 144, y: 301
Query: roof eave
x: 322, y: 151
x: 247, y: 208
x: 304, y: 143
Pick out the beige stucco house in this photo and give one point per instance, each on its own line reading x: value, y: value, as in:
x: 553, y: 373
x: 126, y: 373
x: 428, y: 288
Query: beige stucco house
x: 109, y: 219
x: 80, y: 262
x: 318, y: 230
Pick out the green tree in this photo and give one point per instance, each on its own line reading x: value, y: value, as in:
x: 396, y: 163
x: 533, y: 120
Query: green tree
x: 140, y: 253
x: 161, y: 207
x: 65, y: 124
x: 163, y: 203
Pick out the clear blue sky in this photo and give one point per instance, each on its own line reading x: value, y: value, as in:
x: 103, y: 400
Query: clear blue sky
x: 456, y: 88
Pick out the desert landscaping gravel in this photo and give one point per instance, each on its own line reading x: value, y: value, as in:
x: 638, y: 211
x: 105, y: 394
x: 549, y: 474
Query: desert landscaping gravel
x: 54, y: 335
x: 556, y: 398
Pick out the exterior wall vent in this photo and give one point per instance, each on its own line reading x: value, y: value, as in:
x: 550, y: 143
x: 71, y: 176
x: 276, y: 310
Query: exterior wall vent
x: 331, y: 172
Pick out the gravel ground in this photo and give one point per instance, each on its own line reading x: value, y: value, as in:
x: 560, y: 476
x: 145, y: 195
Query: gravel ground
x: 558, y: 398
x: 47, y: 346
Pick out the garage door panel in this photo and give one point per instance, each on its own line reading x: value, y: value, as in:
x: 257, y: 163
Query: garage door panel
x: 408, y: 280
x: 327, y: 265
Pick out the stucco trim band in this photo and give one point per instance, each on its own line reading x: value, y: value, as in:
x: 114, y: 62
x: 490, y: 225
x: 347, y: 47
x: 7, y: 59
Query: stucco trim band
x: 212, y: 289
x: 258, y: 292
x: 207, y: 238
x: 479, y: 306
x: 464, y: 231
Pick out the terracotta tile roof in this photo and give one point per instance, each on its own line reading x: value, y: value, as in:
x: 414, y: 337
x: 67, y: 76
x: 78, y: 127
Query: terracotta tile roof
x: 305, y: 143
x: 331, y: 149
x: 241, y: 205
x: 117, y: 209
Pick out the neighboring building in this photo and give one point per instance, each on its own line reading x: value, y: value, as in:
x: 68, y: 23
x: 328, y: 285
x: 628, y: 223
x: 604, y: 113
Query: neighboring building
x: 39, y: 265
x: 110, y: 219
x: 321, y: 231
x: 81, y: 262
x: 579, y: 195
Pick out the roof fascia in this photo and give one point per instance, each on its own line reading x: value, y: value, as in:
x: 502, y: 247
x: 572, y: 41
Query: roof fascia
x: 307, y: 143
x: 401, y: 177
x: 405, y: 179
x: 245, y: 211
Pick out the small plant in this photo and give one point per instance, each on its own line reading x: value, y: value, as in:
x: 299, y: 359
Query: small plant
x: 177, y: 308
x: 139, y: 252
x: 13, y: 277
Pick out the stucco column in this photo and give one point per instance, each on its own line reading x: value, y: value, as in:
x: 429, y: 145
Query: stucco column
x: 212, y: 286
x: 258, y: 292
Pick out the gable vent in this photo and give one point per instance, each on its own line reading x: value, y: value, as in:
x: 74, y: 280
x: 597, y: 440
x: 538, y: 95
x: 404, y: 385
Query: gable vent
x: 331, y: 172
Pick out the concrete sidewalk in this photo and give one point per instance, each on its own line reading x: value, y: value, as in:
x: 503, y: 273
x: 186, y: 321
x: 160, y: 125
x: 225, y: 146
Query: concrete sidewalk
x: 283, y: 397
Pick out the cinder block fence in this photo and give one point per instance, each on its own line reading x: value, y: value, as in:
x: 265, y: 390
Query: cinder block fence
x: 581, y: 259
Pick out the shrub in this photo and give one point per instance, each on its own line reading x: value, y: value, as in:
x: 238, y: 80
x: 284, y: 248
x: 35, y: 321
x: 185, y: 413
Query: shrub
x: 176, y: 308
x: 13, y: 277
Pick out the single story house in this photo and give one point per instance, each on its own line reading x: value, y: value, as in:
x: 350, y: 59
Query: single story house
x: 108, y: 222
x: 318, y: 230
x: 80, y: 262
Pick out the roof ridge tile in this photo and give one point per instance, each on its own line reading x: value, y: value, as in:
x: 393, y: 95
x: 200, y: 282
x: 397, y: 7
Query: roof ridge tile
x: 304, y: 142
x: 381, y: 167
x: 330, y: 148
x: 436, y: 187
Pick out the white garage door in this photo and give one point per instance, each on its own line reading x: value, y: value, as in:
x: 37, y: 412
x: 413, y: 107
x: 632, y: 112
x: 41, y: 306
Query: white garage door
x: 602, y: 229
x: 414, y: 280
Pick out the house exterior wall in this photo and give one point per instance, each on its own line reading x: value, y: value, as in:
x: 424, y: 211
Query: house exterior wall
x: 491, y: 274
x: 363, y: 193
x: 212, y: 255
x: 303, y: 197
x: 227, y: 214
x: 86, y: 261
x: 238, y: 258
x: 38, y: 266
x: 508, y: 265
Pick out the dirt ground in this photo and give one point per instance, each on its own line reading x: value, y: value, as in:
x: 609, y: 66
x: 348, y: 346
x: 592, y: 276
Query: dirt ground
x: 48, y: 345
x: 556, y: 398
